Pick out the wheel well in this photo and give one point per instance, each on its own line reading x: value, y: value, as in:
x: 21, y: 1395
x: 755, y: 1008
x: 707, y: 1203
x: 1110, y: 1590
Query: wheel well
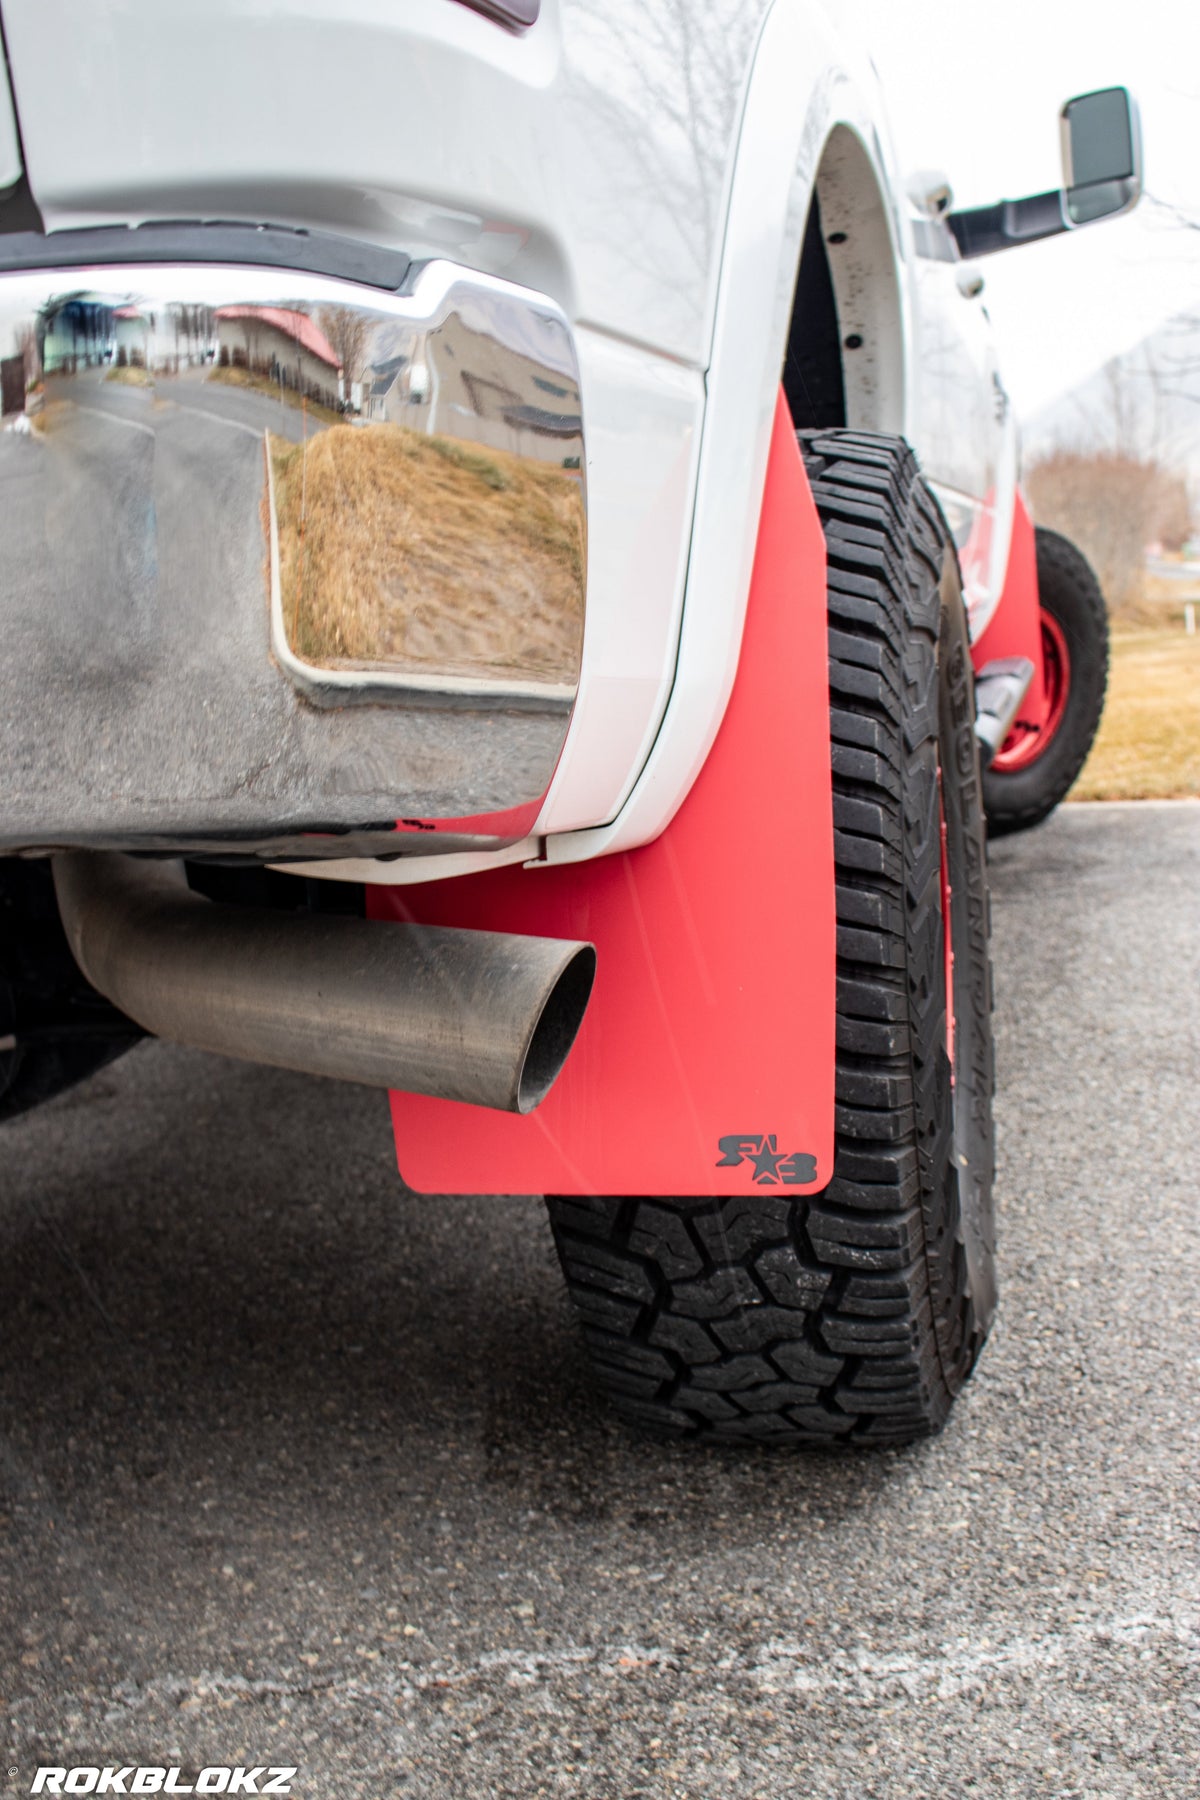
x: 812, y: 365
x: 844, y: 363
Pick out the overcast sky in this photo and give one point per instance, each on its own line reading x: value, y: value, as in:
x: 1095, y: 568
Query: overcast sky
x: 975, y: 91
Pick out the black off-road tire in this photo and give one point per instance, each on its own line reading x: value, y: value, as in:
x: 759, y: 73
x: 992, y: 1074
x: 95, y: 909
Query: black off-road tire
x: 855, y: 1314
x: 1068, y: 590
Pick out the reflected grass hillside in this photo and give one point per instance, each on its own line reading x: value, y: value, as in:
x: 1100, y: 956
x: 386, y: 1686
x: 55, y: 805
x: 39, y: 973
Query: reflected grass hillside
x: 130, y: 375
x: 236, y: 377
x: 428, y: 556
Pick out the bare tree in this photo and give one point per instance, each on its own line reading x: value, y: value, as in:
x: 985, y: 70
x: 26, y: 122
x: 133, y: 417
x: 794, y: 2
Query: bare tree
x: 1181, y: 362
x: 1121, y: 412
x: 347, y: 333
x: 656, y: 90
x: 1123, y: 407
x: 1112, y: 506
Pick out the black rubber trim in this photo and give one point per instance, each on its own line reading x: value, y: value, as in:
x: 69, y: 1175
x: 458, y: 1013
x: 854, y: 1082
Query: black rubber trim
x: 214, y: 242
x: 983, y: 230
x: 19, y: 211
x: 520, y: 14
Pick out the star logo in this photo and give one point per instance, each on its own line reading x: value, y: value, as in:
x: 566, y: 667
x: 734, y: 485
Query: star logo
x: 766, y: 1161
x: 770, y: 1164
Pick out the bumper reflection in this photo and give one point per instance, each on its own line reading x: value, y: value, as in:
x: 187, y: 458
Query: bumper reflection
x: 233, y: 507
x: 420, y: 555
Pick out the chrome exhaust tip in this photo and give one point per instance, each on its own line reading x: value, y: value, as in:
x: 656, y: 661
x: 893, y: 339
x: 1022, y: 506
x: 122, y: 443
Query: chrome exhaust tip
x: 478, y: 1016
x: 1000, y: 687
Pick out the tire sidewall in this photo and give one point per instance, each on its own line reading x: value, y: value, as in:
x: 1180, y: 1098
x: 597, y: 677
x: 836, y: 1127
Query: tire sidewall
x: 965, y: 1296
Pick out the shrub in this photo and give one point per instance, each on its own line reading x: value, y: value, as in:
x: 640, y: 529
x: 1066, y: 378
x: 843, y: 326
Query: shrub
x: 1112, y: 506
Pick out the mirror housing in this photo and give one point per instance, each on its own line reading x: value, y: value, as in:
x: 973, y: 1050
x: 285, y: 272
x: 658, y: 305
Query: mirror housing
x: 1102, y: 176
x: 930, y: 192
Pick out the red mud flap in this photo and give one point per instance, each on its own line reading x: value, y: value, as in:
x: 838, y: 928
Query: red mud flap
x: 1015, y: 627
x: 705, y: 1064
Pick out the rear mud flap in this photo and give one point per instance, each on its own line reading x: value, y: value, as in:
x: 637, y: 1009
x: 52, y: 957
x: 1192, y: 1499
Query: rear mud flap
x: 705, y: 1064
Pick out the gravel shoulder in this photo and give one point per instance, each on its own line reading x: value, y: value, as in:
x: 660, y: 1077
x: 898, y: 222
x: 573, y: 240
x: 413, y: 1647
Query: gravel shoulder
x: 297, y: 1468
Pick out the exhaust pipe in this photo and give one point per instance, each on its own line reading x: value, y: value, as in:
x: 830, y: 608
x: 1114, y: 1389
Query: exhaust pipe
x: 482, y: 1016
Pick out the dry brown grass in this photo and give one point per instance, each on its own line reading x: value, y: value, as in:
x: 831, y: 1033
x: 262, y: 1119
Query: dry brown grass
x: 1148, y: 745
x: 1156, y: 605
x: 130, y: 376
x: 242, y: 378
x: 428, y: 556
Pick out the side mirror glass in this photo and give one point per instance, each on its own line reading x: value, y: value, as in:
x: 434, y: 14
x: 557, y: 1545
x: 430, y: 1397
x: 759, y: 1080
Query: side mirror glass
x: 1102, y: 176
x: 1102, y: 155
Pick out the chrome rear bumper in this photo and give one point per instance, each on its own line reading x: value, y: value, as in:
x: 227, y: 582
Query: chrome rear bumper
x: 290, y: 565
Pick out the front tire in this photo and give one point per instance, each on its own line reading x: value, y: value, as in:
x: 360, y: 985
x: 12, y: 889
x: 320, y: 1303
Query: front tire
x: 855, y: 1314
x: 1032, y: 772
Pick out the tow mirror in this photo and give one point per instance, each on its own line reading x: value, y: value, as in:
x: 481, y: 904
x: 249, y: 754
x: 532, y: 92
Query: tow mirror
x: 1102, y: 176
x: 1102, y: 155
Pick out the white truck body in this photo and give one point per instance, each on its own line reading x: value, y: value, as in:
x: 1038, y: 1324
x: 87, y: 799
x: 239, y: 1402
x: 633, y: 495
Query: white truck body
x: 650, y: 170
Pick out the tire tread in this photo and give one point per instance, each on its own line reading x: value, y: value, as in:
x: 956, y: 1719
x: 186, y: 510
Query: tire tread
x: 831, y: 1318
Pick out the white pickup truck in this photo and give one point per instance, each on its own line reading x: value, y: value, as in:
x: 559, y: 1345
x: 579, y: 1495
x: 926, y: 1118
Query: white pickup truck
x: 512, y: 579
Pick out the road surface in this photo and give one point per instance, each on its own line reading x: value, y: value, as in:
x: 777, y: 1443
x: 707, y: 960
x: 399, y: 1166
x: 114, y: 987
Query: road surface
x: 298, y: 1469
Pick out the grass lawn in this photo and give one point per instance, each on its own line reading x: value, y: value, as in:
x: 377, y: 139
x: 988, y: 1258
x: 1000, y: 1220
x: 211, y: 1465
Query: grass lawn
x: 1148, y: 745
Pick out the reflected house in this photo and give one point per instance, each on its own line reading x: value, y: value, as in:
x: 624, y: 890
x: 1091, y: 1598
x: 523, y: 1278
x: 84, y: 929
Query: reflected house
x: 86, y: 330
x: 171, y: 338
x: 279, y: 345
x: 384, y: 379
x: 131, y: 337
x: 74, y: 332
x: 459, y: 382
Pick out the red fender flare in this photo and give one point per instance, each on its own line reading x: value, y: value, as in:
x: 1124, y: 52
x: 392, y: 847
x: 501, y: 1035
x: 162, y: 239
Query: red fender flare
x: 1015, y: 627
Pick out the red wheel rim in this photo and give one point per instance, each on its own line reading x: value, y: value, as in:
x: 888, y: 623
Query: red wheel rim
x: 1024, y: 744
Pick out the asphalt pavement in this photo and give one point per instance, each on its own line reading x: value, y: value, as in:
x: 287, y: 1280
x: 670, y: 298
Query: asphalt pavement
x: 299, y: 1469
